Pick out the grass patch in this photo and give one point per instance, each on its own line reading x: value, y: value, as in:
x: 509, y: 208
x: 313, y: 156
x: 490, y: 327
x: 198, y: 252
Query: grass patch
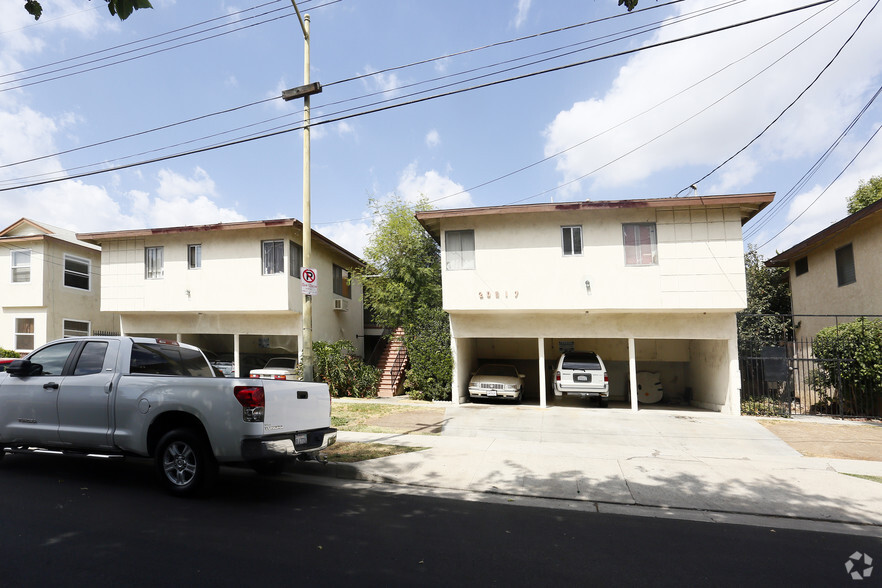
x: 346, y: 452
x: 375, y: 417
x: 870, y: 478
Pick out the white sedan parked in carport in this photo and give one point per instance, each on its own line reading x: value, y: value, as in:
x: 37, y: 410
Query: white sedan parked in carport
x: 496, y: 380
x: 278, y: 368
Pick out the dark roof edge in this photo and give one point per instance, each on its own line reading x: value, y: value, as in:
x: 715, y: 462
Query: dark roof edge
x: 783, y: 259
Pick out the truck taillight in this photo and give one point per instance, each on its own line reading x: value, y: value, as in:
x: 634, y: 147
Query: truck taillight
x: 605, y: 377
x: 253, y: 402
x: 557, y: 376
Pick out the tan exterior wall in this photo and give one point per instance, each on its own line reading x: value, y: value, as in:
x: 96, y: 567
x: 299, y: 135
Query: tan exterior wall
x: 229, y: 294
x: 45, y: 298
x: 519, y: 263
x: 817, y: 291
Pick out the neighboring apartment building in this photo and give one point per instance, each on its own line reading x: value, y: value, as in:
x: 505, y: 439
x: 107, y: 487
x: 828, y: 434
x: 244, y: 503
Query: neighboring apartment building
x: 232, y: 289
x: 649, y: 284
x: 49, y: 286
x: 836, y: 272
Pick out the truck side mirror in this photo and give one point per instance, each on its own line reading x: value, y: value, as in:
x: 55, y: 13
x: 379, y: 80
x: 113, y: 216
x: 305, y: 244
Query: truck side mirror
x: 23, y: 368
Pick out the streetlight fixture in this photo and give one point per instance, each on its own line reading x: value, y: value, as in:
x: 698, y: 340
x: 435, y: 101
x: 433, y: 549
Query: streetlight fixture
x: 305, y: 91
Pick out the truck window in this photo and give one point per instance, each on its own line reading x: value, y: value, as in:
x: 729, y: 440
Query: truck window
x: 168, y: 360
x: 52, y: 358
x: 91, y: 360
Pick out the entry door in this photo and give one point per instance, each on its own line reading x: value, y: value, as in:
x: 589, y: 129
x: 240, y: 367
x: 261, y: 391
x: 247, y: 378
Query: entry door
x: 85, y: 398
x: 29, y: 405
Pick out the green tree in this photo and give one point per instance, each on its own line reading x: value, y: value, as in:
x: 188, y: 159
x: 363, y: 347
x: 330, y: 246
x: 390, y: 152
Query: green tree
x: 338, y: 365
x: 766, y: 321
x: 866, y: 194
x: 121, y: 8
x: 850, y: 360
x: 402, y: 287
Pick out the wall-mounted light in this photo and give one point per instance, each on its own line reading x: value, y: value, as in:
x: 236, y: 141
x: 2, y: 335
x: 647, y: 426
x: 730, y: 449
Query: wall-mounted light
x: 588, y: 287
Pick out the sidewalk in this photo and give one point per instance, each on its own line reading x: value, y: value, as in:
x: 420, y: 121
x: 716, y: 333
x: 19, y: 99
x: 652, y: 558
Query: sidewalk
x: 675, y: 459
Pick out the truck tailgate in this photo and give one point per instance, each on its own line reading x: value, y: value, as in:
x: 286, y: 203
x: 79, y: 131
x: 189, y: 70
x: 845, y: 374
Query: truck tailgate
x: 293, y: 406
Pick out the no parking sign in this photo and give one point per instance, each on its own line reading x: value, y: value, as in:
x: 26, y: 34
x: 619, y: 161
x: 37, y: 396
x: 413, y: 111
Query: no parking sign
x: 308, y: 281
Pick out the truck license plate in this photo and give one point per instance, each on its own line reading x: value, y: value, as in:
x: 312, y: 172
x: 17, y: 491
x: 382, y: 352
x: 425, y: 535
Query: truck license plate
x: 299, y: 438
x: 583, y: 378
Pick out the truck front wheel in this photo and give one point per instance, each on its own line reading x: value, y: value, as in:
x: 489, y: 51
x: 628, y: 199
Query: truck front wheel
x: 184, y: 463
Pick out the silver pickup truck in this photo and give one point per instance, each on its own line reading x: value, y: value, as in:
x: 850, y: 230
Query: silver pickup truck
x: 160, y: 399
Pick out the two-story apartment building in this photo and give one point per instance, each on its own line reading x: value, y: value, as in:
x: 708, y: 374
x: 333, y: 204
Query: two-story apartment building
x: 49, y: 285
x: 836, y: 272
x: 233, y: 289
x: 648, y: 284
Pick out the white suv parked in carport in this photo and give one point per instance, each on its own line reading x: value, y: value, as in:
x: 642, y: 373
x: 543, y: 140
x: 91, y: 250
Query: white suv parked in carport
x: 582, y: 373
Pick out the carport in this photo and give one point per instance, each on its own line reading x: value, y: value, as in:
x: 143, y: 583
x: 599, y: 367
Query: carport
x: 695, y: 366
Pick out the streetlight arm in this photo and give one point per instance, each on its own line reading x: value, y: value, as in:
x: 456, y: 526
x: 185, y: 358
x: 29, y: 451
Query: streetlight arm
x: 302, y: 91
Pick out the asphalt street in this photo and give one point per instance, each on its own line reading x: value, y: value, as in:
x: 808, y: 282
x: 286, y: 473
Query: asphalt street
x: 87, y: 522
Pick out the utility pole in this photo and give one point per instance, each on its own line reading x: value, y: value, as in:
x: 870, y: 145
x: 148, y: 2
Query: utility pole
x: 305, y: 91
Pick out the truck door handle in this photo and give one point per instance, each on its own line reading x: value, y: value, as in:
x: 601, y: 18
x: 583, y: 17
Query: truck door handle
x: 50, y: 385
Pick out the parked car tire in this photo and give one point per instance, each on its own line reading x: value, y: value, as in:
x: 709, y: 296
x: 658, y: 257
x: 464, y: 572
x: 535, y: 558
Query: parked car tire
x: 185, y: 463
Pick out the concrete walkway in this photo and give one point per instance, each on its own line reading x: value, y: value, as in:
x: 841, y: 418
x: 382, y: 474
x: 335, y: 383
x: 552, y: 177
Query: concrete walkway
x: 682, y: 461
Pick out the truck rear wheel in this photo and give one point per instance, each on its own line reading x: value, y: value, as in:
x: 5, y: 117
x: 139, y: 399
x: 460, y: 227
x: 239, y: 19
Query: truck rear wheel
x: 185, y: 463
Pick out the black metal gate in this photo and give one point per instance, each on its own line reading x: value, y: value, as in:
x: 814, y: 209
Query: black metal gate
x: 788, y: 380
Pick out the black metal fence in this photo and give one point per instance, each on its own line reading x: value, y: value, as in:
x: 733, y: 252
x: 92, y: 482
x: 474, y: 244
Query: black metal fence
x: 788, y: 380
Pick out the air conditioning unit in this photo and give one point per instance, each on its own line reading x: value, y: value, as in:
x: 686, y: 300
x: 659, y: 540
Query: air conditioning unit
x: 341, y: 304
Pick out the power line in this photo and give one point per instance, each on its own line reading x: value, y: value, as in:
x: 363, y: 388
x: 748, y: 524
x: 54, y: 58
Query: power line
x: 661, y: 23
x: 427, y: 98
x: 789, y: 106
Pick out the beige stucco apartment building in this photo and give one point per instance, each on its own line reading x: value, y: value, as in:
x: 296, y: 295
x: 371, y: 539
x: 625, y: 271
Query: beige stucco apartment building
x: 233, y: 289
x: 49, y: 285
x: 649, y: 284
x: 836, y: 272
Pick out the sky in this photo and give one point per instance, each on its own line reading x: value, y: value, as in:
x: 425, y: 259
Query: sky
x: 105, y: 125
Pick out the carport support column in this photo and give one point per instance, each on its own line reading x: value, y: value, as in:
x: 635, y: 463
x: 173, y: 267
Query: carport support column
x: 236, y: 362
x: 632, y: 372
x: 542, y: 403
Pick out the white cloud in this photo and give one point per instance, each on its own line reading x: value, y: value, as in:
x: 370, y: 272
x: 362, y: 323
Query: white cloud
x: 630, y: 153
x: 521, y: 15
x: 387, y: 82
x: 441, y: 191
x: 433, y: 139
x: 351, y: 235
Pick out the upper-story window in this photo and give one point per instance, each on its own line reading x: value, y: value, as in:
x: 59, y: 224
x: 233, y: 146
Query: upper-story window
x: 153, y: 263
x: 273, y: 256
x: 296, y: 258
x: 572, y: 240
x: 77, y: 272
x: 194, y: 256
x: 21, y: 265
x: 342, y: 285
x: 641, y: 245
x: 845, y: 265
x: 801, y: 266
x: 459, y: 247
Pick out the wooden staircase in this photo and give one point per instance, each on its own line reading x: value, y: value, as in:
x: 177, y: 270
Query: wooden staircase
x: 391, y: 365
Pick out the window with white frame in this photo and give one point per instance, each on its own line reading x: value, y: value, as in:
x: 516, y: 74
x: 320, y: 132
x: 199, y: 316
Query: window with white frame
x: 153, y: 263
x: 77, y: 272
x: 24, y: 334
x: 273, y: 256
x: 641, y: 245
x: 296, y: 258
x: 21, y: 265
x: 72, y: 328
x: 342, y: 285
x: 571, y: 238
x: 459, y: 247
x: 194, y: 256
